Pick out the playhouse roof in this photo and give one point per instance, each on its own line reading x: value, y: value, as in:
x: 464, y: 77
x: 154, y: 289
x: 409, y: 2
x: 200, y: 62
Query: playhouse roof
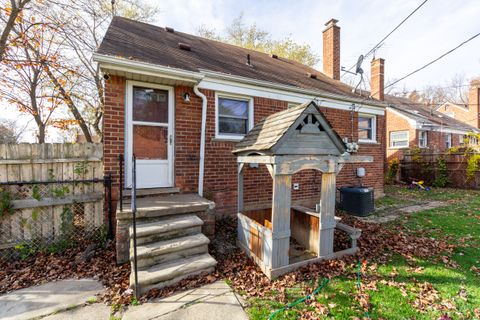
x: 278, y: 134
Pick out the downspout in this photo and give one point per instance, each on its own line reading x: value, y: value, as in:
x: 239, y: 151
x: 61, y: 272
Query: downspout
x: 201, y: 165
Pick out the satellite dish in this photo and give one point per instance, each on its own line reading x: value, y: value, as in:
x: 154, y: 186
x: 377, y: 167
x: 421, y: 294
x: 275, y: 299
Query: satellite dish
x: 358, y: 68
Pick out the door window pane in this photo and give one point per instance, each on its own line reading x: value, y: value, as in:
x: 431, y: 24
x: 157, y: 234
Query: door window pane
x: 150, y: 105
x: 150, y: 142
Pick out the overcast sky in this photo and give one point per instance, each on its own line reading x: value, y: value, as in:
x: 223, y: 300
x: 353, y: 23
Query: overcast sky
x: 437, y: 27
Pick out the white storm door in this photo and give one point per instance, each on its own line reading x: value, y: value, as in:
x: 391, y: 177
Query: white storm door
x: 150, y: 115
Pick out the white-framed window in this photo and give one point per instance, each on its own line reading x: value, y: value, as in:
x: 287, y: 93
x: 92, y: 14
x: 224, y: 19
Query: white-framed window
x: 399, y: 139
x: 422, y: 139
x: 367, y: 128
x: 233, y: 116
x: 462, y: 138
x: 448, y: 140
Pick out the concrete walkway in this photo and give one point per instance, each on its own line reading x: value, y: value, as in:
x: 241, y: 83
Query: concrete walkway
x: 215, y: 301
x: 39, y: 301
x: 67, y: 299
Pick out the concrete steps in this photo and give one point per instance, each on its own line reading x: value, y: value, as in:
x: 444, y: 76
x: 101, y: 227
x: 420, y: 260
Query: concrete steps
x: 168, y: 250
x: 169, y: 273
x: 170, y: 243
x: 127, y: 193
x: 167, y: 228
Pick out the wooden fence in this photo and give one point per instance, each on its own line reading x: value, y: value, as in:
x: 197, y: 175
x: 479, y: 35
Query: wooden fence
x: 425, y: 166
x: 49, y: 189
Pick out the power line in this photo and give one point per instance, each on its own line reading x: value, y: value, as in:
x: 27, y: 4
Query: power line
x: 388, y: 35
x: 433, y: 61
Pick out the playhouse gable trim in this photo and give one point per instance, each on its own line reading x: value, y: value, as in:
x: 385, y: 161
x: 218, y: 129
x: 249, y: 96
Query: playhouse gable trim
x: 299, y: 130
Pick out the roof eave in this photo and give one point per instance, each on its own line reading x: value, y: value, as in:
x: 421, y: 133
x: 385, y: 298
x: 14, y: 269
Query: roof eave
x: 145, y: 68
x: 119, y: 63
x: 278, y: 86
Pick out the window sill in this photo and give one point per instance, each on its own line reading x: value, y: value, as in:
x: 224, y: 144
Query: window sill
x: 226, y: 139
x: 368, y: 142
x: 398, y: 148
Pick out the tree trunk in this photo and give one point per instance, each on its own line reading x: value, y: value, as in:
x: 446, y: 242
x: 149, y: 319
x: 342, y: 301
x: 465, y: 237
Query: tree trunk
x: 70, y: 104
x: 41, y: 133
x: 10, y: 24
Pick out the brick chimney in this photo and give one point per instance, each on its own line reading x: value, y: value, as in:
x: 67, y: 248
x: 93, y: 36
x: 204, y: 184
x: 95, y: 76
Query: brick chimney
x: 377, y: 84
x: 474, y: 103
x: 331, y: 49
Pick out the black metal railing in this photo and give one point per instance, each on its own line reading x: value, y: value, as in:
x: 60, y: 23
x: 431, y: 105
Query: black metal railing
x: 120, y: 160
x: 134, y: 221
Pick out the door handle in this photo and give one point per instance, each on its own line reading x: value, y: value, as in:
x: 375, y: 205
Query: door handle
x: 170, y: 139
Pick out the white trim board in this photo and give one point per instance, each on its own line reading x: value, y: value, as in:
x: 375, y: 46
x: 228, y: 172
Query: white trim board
x: 276, y: 94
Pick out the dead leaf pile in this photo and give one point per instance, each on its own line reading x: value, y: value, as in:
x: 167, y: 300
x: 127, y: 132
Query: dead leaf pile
x: 45, y: 267
x: 377, y: 244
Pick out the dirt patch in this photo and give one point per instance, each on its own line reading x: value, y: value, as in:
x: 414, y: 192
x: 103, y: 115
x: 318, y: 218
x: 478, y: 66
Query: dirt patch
x: 391, y: 214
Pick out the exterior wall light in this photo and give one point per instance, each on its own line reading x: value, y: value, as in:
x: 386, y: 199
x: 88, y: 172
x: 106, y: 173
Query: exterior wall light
x: 186, y: 97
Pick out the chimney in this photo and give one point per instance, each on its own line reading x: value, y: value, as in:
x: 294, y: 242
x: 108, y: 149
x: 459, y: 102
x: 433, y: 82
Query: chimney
x: 377, y: 84
x: 331, y: 49
x: 474, y: 103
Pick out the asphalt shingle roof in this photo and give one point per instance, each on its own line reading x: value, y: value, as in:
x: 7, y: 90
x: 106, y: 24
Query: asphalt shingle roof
x: 143, y: 42
x: 425, y: 114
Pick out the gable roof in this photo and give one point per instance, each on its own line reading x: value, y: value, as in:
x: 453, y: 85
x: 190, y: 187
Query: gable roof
x: 268, y: 135
x: 133, y: 40
x: 425, y: 115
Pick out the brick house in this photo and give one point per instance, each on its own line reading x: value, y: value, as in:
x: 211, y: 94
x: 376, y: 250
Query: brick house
x: 468, y: 113
x: 415, y: 125
x: 181, y: 103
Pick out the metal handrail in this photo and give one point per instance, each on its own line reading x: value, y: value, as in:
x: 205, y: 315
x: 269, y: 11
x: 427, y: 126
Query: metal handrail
x: 134, y: 221
x: 120, y: 160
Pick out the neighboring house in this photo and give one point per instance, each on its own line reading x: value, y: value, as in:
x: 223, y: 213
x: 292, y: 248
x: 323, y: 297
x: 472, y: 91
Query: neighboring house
x: 180, y: 103
x: 414, y: 125
x: 468, y: 113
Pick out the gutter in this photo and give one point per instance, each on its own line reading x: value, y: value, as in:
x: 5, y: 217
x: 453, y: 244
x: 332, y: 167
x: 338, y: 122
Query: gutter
x: 133, y: 66
x: 201, y: 165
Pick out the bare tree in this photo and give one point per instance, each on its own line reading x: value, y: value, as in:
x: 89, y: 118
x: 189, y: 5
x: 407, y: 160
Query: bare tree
x: 9, y: 132
x: 251, y: 37
x: 81, y: 25
x: 9, y: 15
x: 455, y: 91
x: 25, y: 84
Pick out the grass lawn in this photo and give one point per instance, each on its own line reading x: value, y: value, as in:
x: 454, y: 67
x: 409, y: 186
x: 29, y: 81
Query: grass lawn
x: 445, y: 286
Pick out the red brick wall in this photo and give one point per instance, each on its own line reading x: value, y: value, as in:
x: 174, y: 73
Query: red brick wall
x: 114, y: 128
x: 220, y: 178
x: 398, y: 123
x: 436, y: 140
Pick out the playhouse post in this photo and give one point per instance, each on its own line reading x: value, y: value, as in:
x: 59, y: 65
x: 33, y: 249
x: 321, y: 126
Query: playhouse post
x: 281, y: 203
x: 327, y: 211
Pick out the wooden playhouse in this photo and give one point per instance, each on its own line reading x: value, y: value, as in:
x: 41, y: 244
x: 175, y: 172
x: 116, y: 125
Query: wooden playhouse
x: 287, y: 142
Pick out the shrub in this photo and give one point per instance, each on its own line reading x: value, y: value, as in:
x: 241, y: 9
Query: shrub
x: 441, y: 179
x: 472, y: 166
x: 393, y: 167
